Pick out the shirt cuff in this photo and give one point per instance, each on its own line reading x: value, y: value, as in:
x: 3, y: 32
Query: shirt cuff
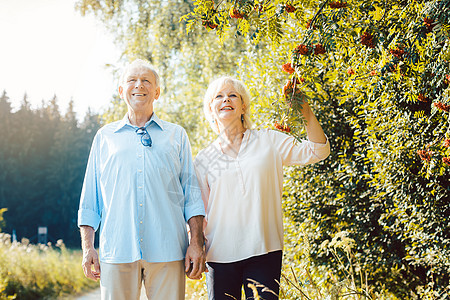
x: 89, y: 218
x: 192, y: 211
x: 320, y: 150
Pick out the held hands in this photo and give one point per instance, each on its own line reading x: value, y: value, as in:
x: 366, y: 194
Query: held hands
x: 195, y: 261
x: 90, y: 258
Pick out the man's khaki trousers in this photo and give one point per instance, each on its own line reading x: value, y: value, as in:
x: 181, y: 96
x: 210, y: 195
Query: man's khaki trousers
x: 162, y: 281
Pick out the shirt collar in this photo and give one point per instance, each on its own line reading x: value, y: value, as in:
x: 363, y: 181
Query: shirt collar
x: 126, y: 122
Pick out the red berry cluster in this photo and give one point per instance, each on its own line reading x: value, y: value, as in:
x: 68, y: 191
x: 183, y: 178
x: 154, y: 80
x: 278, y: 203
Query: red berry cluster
x: 289, y: 8
x: 288, y: 88
x: 367, y: 40
x: 424, y: 154
x: 397, y: 52
x: 422, y: 98
x: 442, y: 106
x: 446, y: 143
x: 373, y: 73
x: 319, y: 49
x: 209, y: 24
x: 234, y: 13
x: 302, y: 50
x: 306, y: 50
x: 288, y: 68
x: 429, y: 24
x: 338, y: 4
x: 283, y: 127
x: 350, y: 71
x: 446, y: 160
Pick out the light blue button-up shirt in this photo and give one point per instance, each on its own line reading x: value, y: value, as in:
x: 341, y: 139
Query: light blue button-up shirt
x: 140, y: 196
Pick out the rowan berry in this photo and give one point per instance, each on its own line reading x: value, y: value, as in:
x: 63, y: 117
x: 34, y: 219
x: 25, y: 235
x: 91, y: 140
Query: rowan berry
x: 209, y: 24
x: 424, y: 154
x: 289, y: 8
x: 446, y: 143
x: 422, y: 98
x: 302, y: 49
x: 319, y: 49
x: 442, y: 106
x: 367, y: 40
x: 234, y: 13
x: 288, y: 68
x: 338, y: 4
x: 429, y: 24
x: 397, y: 52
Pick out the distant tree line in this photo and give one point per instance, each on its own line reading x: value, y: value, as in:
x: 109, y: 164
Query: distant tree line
x: 43, y: 156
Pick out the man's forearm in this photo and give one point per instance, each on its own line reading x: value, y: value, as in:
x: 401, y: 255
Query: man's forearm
x: 196, y: 227
x: 87, y: 237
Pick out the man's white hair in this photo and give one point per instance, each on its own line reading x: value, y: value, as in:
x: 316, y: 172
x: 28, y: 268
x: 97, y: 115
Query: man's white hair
x: 139, y: 63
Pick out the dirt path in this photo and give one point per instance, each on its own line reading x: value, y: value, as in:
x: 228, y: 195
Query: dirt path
x: 95, y: 295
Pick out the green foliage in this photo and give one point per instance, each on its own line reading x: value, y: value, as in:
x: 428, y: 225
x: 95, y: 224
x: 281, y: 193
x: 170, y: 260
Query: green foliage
x: 377, y: 73
x: 42, y: 160
x: 40, y: 271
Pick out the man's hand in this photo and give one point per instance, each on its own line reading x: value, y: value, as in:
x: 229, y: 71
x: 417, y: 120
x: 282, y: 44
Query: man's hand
x: 195, y: 261
x: 90, y: 256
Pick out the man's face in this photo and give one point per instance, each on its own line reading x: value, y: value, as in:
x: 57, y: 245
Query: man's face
x: 139, y: 89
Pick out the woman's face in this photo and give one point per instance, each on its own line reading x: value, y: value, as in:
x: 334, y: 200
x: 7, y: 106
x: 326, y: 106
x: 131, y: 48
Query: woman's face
x: 226, y: 105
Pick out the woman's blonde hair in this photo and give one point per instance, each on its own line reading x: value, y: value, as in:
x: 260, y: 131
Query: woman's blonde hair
x: 214, y: 87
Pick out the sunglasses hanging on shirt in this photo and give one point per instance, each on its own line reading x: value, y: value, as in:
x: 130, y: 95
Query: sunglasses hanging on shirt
x: 146, y: 140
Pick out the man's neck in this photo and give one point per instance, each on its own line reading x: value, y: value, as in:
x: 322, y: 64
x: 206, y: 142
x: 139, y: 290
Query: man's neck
x: 139, y: 118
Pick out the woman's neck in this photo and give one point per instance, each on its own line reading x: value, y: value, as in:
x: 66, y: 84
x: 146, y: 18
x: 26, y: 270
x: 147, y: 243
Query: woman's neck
x: 232, y: 134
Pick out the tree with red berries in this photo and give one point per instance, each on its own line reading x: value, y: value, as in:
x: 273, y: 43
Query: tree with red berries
x: 376, y: 72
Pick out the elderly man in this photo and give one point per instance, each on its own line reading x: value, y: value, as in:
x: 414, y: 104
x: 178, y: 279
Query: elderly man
x: 140, y: 185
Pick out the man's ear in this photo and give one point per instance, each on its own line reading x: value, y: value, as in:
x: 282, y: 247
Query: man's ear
x: 121, y: 92
x: 158, y: 92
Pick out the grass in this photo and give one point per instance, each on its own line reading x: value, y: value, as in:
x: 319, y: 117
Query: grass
x: 51, y: 271
x: 40, y: 271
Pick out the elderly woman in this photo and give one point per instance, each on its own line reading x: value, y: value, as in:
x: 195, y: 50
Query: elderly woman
x: 241, y: 177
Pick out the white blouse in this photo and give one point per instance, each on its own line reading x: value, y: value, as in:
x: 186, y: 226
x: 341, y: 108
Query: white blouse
x: 242, y: 195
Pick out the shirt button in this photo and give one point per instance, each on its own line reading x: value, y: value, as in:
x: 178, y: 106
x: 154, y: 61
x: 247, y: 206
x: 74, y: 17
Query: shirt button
x: 140, y: 187
x: 139, y: 155
x: 140, y: 171
x: 142, y: 240
x: 140, y: 204
x: 140, y: 222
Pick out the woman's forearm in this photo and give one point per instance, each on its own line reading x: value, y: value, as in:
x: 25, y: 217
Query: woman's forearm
x: 313, y: 128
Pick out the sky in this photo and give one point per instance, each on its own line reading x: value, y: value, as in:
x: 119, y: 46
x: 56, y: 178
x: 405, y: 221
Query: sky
x: 47, y: 48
